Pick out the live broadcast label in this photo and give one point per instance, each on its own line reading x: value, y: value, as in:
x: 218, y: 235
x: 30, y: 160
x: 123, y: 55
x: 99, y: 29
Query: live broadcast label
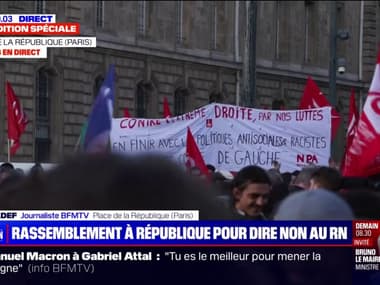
x: 366, y: 238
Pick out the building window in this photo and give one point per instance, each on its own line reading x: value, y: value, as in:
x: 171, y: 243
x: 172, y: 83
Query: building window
x: 42, y: 132
x: 142, y: 92
x: 215, y: 97
x: 97, y: 84
x: 42, y: 150
x: 180, y: 95
x: 100, y: 14
x: 278, y: 104
x: 40, y: 6
x: 43, y: 95
x: 141, y: 18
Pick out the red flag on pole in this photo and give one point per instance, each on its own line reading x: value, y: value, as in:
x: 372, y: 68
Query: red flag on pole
x: 167, y: 113
x: 314, y: 98
x: 353, y: 118
x: 194, y: 157
x: 126, y: 113
x: 17, y: 119
x: 363, y: 156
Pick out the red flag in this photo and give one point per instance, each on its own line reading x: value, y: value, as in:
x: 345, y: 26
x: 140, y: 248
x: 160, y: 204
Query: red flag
x: 126, y: 113
x: 353, y: 118
x: 193, y: 155
x: 314, y: 98
x: 167, y: 113
x: 363, y: 157
x: 17, y: 119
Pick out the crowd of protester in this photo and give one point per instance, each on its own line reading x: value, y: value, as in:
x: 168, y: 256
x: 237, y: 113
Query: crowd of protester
x: 110, y: 182
x: 313, y: 193
x: 253, y: 193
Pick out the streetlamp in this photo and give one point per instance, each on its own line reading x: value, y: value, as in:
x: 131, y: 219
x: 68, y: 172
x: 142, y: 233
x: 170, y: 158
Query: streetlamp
x: 335, y: 65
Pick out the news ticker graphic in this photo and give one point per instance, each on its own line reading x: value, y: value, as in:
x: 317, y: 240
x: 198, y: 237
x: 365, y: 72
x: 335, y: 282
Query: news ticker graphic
x: 183, y: 228
x: 174, y: 233
x: 28, y: 25
x: 218, y: 263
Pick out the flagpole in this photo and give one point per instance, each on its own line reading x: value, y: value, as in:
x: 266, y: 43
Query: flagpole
x: 9, y: 152
x: 77, y: 143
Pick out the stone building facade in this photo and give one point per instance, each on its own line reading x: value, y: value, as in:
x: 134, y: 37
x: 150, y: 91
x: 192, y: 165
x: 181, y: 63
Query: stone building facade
x: 191, y: 52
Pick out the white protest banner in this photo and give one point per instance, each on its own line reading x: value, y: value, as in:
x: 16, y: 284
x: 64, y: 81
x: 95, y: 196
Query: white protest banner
x: 231, y: 137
